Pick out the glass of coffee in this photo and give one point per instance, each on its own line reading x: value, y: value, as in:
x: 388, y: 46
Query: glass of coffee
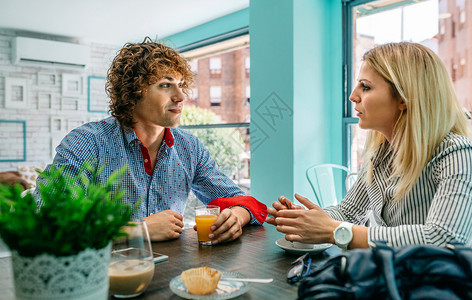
x: 131, y: 266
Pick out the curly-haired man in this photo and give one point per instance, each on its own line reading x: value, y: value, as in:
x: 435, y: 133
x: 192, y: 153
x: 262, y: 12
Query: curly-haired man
x: 148, y: 83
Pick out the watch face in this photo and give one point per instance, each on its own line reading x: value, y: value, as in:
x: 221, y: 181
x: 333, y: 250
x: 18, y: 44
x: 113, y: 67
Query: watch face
x: 343, y: 236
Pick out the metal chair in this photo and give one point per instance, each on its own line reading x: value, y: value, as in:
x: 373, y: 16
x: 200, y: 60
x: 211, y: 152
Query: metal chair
x: 330, y: 183
x: 350, y: 180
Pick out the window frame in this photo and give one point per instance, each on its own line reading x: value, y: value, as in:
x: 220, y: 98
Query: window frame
x: 348, y: 119
x: 204, y: 43
x: 207, y: 42
x: 348, y: 36
x: 215, y: 39
x: 214, y: 99
x: 348, y: 60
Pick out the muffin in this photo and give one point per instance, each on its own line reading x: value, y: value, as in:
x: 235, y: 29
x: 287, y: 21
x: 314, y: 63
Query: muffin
x: 201, y: 281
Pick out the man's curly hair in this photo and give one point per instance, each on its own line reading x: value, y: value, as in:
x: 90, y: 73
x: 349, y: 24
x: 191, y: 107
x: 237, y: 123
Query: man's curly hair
x: 135, y: 68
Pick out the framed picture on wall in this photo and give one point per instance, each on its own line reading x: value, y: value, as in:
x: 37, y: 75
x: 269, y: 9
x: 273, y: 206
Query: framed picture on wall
x: 97, y: 97
x: 57, y: 124
x: 47, y: 79
x: 72, y: 85
x: 12, y: 140
x: 69, y: 104
x: 44, y: 100
x: 16, y: 92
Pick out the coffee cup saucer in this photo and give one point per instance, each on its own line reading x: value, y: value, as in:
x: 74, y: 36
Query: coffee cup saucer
x: 289, y: 247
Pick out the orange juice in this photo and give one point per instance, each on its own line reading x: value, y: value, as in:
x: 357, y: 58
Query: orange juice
x: 203, y: 226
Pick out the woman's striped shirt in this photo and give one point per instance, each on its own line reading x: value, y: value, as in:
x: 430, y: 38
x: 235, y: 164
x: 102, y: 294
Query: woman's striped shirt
x: 438, y: 209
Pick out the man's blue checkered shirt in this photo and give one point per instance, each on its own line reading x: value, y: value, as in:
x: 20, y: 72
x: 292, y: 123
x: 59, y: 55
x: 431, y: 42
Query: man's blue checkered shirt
x: 183, y: 164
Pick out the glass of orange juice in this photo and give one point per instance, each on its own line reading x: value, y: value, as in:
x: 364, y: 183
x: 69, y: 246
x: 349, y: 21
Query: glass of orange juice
x: 204, y: 217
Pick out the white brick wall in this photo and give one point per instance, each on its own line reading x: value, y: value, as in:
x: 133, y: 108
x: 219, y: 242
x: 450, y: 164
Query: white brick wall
x: 48, y: 114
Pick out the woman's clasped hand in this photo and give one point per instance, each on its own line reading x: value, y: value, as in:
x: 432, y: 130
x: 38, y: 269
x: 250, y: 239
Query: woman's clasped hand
x: 307, y: 225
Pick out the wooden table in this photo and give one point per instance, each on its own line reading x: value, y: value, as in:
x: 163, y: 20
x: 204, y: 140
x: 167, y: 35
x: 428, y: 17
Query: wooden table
x: 254, y: 254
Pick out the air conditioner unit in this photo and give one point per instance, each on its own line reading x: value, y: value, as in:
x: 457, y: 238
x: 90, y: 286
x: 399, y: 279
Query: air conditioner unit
x: 50, y: 52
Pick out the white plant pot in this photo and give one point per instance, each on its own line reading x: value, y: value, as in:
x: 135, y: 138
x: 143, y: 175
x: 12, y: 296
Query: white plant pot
x: 83, y: 276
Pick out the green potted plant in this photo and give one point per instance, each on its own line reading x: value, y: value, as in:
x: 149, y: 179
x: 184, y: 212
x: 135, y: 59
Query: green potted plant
x: 61, y: 248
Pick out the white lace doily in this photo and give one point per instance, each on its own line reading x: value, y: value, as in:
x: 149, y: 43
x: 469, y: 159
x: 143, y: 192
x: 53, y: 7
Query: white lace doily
x: 82, y: 276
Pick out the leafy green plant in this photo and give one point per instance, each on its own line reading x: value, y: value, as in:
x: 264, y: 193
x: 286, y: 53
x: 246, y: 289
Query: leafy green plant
x: 75, y: 213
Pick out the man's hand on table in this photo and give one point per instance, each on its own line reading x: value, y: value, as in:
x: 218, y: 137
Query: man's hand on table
x: 164, y: 225
x: 229, y: 224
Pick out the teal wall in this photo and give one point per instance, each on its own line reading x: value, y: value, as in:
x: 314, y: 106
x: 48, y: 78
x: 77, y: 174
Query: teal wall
x: 318, y: 87
x: 271, y: 28
x: 296, y: 88
x: 236, y: 20
x: 296, y: 52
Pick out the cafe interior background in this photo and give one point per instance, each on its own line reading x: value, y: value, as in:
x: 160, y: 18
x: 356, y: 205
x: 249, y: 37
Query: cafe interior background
x: 275, y: 75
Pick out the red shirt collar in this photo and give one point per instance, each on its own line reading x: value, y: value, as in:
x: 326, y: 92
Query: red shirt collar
x: 168, y: 138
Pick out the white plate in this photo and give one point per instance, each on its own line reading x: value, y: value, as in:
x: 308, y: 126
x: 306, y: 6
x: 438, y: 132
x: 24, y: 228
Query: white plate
x: 288, y: 246
x: 225, y: 290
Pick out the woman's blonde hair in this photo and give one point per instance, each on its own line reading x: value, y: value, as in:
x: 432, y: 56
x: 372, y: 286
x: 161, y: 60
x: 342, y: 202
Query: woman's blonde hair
x: 419, y: 77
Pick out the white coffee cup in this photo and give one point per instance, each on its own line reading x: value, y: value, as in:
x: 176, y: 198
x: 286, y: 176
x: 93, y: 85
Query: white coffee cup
x: 299, y: 245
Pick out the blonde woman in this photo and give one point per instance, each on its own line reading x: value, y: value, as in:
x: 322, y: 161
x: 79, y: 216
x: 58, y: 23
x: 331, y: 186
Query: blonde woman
x: 417, y: 175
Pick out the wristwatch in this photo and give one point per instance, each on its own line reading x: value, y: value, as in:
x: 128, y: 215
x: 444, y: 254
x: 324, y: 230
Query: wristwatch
x: 343, y: 235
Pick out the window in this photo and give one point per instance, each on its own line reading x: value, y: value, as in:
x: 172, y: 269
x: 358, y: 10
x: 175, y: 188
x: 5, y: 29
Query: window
x: 453, y: 70
x: 247, y: 64
x: 215, y: 67
x: 462, y: 16
x: 429, y: 22
x: 442, y: 30
x: 453, y: 29
x: 209, y: 59
x: 248, y: 94
x: 215, y: 95
x: 462, y: 67
x: 217, y: 111
x: 194, y: 66
x: 193, y: 97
